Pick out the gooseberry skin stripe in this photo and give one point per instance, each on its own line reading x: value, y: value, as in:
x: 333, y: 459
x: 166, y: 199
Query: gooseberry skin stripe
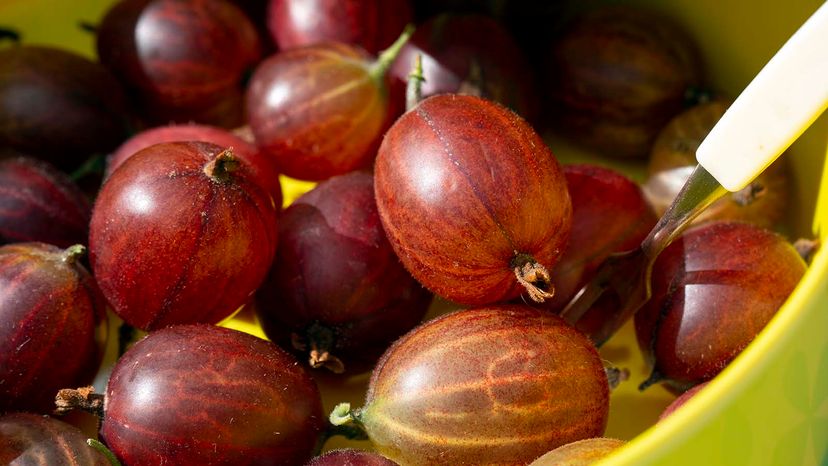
x: 465, y: 186
x: 515, y: 381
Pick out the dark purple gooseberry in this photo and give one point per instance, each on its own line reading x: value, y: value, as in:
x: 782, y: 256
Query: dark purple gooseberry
x: 337, y: 290
x: 183, y: 59
x: 52, y: 325
x: 38, y: 202
x: 370, y: 24
x: 59, y: 106
x: 714, y: 289
x: 609, y: 214
x: 202, y: 394
x: 467, y: 54
x: 32, y: 440
x: 616, y: 76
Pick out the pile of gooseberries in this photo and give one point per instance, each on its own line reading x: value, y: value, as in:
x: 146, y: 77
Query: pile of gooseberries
x: 153, y: 195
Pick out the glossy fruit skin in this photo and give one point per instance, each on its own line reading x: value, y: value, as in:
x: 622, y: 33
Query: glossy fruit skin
x: 617, y: 75
x: 609, y: 214
x: 581, y: 453
x: 52, y: 325
x: 59, y: 106
x: 201, y: 394
x: 350, y: 457
x: 179, y: 57
x: 317, y: 128
x: 261, y: 167
x: 370, y: 24
x: 470, y: 54
x: 33, y: 440
x: 463, y: 185
x: 673, y: 158
x: 494, y: 385
x: 335, y: 268
x: 40, y: 203
x: 681, y: 400
x: 160, y: 261
x: 714, y: 289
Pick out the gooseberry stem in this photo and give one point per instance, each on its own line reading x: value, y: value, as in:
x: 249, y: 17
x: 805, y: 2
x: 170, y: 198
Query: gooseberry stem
x: 387, y: 56
x: 414, y: 86
x: 473, y: 84
x: 347, y: 422
x: 10, y: 34
x: 655, y: 377
x: 87, y: 26
x: 533, y: 276
x: 101, y: 448
x: 321, y: 340
x: 341, y: 414
x: 615, y: 376
x: 94, y: 165
x: 73, y: 253
x: 222, y: 166
x: 806, y: 248
x: 84, y: 398
x: 749, y: 194
x: 343, y: 422
x: 697, y: 95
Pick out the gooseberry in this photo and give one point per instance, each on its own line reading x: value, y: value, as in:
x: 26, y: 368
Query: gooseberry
x: 472, y: 200
x: 52, y: 324
x: 486, y: 386
x: 337, y: 292
x: 202, y: 394
x: 370, y: 24
x: 181, y: 233
x: 40, y: 203
x: 714, y: 289
x: 30, y: 439
x: 328, y: 125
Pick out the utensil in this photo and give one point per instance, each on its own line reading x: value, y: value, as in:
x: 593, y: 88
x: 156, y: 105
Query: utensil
x: 778, y: 105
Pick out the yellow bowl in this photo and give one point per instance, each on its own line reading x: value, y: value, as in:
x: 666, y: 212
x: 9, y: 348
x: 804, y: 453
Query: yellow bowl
x: 770, y: 406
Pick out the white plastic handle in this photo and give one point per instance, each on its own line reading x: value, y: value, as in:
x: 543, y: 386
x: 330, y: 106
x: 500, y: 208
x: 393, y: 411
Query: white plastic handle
x: 781, y: 102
